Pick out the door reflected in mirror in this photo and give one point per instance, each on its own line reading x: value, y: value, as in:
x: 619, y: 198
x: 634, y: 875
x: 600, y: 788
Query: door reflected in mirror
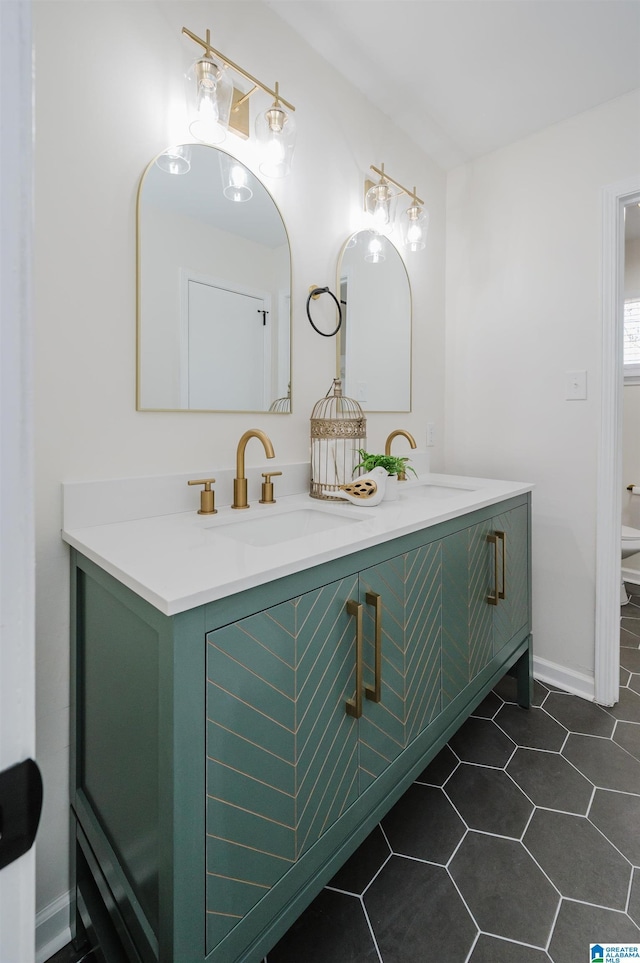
x: 374, y: 342
x: 214, y: 287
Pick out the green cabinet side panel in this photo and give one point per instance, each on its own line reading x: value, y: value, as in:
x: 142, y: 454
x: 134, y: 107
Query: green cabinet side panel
x: 281, y: 751
x: 118, y: 754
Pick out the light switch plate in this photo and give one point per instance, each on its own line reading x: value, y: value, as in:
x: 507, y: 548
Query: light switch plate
x: 576, y: 386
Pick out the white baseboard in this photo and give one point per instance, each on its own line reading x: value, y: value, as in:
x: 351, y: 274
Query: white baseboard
x: 568, y: 679
x: 53, y: 929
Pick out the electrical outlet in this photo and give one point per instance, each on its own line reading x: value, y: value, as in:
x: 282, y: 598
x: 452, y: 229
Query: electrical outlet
x: 431, y: 435
x: 362, y: 389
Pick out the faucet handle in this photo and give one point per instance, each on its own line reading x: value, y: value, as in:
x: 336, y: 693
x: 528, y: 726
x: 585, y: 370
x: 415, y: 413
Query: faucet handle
x: 267, y: 487
x: 207, y: 496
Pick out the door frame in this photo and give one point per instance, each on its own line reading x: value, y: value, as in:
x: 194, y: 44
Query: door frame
x: 187, y: 276
x: 17, y: 544
x: 609, y: 482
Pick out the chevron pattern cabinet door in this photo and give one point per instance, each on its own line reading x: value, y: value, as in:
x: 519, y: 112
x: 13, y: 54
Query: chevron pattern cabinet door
x: 481, y: 575
x: 410, y: 589
x: 423, y: 637
x: 512, y: 613
x: 382, y: 726
x: 456, y: 623
x: 281, y: 751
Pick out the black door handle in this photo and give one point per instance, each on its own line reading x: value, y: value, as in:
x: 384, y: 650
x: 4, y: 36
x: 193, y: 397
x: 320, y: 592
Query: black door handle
x: 20, y: 808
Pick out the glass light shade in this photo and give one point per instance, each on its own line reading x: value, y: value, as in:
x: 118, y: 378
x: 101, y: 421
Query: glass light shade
x: 414, y: 226
x: 380, y: 203
x: 175, y: 160
x: 375, y: 249
x: 209, y: 96
x: 235, y: 179
x: 276, y: 135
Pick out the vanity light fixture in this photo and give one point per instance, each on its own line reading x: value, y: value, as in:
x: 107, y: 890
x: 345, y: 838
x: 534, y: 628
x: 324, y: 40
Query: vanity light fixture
x: 216, y: 105
x: 276, y: 133
x: 414, y: 223
x: 380, y: 200
x: 375, y: 249
x: 175, y: 160
x: 234, y: 179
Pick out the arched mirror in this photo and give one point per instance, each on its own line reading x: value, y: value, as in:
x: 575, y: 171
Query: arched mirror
x: 214, y: 287
x: 374, y: 342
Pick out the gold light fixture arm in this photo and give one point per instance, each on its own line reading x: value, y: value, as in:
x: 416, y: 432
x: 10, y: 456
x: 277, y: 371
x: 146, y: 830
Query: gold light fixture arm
x: 212, y: 52
x: 382, y: 173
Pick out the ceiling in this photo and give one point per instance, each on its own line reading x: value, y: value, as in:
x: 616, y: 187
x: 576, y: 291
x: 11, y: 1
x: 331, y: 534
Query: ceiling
x: 465, y: 77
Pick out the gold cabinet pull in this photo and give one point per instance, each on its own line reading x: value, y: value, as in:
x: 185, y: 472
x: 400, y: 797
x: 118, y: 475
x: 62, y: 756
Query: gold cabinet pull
x: 374, y: 692
x: 501, y: 536
x: 493, y: 599
x: 354, y: 706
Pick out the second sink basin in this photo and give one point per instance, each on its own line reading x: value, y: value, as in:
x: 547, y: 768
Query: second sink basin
x: 428, y: 490
x: 285, y: 526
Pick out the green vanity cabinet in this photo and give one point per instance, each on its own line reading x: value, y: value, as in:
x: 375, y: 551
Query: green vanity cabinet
x: 227, y: 760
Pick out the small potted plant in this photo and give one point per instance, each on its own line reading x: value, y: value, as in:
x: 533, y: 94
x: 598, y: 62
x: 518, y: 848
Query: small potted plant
x: 395, y: 467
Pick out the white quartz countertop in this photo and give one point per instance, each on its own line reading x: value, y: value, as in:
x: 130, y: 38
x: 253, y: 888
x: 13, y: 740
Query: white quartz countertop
x: 178, y: 561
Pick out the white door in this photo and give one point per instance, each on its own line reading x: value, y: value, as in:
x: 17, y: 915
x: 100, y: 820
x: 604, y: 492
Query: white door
x: 17, y: 673
x: 227, y: 349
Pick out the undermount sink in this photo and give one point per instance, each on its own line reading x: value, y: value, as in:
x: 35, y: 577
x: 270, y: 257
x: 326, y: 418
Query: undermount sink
x: 429, y: 490
x: 285, y: 526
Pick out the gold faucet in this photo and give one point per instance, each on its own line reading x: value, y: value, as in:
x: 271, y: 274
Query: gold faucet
x: 387, y: 446
x: 240, y: 482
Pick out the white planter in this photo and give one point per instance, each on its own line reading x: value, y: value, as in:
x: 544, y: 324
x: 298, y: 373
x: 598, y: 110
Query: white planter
x: 391, y: 488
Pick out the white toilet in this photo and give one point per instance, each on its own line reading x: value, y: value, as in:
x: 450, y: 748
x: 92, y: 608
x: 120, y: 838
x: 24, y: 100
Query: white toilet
x: 630, y: 541
x: 630, y: 545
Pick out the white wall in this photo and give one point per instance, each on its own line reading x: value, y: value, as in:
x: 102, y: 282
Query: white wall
x: 109, y: 96
x: 523, y: 308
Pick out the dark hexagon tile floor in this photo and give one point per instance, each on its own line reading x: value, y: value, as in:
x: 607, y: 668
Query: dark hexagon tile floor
x: 533, y: 728
x: 416, y: 913
x: 518, y: 843
x: 627, y: 736
x: 480, y: 741
x: 488, y: 800
x: 490, y: 950
x: 614, y: 813
x: 578, y: 715
x: 423, y: 825
x: 506, y: 891
x: 550, y: 781
x: 590, y: 870
x: 579, y: 924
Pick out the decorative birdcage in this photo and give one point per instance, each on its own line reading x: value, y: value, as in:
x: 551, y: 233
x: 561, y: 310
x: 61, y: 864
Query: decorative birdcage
x: 282, y: 405
x: 338, y: 430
